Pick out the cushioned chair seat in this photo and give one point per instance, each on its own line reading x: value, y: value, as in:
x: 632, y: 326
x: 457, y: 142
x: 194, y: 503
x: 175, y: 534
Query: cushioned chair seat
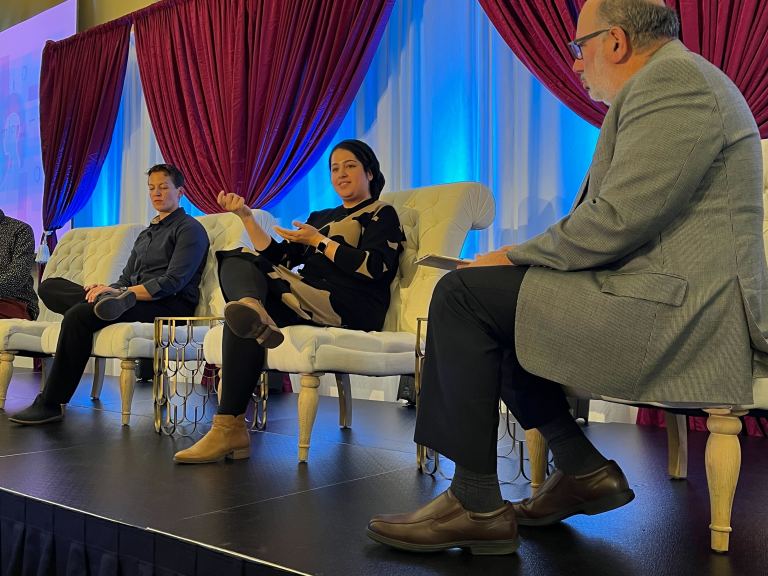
x: 122, y: 340
x: 309, y: 349
x: 22, y: 334
x: 759, y: 391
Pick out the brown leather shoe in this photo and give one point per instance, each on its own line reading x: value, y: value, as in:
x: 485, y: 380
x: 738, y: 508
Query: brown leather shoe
x: 248, y: 318
x: 562, y: 496
x: 444, y: 523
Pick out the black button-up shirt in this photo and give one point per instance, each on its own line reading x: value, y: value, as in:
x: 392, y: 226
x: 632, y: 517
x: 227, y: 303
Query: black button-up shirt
x: 168, y: 258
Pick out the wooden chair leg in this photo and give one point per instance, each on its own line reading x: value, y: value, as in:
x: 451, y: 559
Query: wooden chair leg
x: 6, y: 371
x: 127, y: 386
x: 345, y: 400
x: 723, y: 462
x: 537, y: 456
x: 308, y: 399
x: 99, y: 367
x: 677, y: 445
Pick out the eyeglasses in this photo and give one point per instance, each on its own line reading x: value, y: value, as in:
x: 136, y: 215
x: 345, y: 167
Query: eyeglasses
x: 574, y: 46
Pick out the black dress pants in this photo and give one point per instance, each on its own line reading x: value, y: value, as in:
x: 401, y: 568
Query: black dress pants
x: 78, y: 326
x: 471, y: 362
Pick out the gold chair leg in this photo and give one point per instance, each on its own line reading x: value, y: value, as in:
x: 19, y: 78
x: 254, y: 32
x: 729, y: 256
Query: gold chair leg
x: 99, y: 367
x: 677, y: 445
x: 723, y: 462
x: 127, y: 386
x: 260, y: 398
x: 537, y: 456
x: 345, y: 400
x: 308, y: 399
x: 6, y: 371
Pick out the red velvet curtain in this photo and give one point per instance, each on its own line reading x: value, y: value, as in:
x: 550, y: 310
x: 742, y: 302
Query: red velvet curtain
x: 538, y: 32
x: 81, y: 80
x: 244, y: 95
x: 732, y: 34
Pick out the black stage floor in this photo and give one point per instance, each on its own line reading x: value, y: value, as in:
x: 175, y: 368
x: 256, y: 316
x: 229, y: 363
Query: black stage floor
x: 282, y: 517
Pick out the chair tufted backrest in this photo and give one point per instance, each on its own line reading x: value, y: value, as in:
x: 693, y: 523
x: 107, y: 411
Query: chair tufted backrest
x: 90, y: 256
x: 435, y: 220
x: 225, y: 232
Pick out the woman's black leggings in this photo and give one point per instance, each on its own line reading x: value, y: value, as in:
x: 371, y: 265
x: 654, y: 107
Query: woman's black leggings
x: 243, y: 358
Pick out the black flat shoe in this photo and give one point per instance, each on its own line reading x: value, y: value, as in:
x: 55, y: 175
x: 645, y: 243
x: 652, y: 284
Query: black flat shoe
x: 112, y: 307
x: 39, y: 412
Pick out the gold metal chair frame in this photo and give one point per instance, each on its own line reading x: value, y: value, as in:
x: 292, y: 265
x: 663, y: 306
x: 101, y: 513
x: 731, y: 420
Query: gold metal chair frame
x: 260, y: 396
x: 177, y: 387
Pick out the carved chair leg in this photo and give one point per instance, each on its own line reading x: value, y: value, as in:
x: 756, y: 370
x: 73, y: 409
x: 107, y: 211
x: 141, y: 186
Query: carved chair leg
x: 677, y: 445
x: 99, y: 367
x: 723, y: 462
x: 6, y: 371
x: 308, y: 399
x: 345, y: 400
x: 537, y: 456
x: 127, y: 386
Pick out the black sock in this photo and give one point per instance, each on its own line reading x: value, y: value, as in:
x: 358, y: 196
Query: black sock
x: 574, y: 454
x: 476, y: 492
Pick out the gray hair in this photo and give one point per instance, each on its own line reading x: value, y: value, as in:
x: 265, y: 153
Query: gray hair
x: 644, y: 21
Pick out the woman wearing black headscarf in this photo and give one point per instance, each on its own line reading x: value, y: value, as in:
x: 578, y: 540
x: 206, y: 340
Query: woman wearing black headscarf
x: 349, y: 256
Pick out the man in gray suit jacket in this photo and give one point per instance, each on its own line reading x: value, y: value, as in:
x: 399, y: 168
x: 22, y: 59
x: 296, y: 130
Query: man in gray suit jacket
x: 651, y: 289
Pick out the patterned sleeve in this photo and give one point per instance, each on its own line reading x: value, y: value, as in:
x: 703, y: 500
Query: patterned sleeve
x: 15, y: 274
x: 379, y: 248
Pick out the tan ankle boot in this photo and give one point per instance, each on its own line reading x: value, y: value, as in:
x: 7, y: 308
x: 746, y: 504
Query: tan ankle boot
x: 228, y: 437
x: 248, y: 318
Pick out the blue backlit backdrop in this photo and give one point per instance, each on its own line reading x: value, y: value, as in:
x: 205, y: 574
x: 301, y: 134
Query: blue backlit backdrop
x: 444, y: 100
x: 21, y: 173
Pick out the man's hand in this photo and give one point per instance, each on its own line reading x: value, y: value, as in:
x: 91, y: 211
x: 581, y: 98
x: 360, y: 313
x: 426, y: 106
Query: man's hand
x: 495, y: 258
x: 304, y: 234
x: 231, y: 202
x: 93, y: 291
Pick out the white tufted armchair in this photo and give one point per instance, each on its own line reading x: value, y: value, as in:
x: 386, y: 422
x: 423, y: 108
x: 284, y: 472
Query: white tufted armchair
x: 85, y: 256
x: 436, y: 220
x: 723, y: 452
x: 130, y: 341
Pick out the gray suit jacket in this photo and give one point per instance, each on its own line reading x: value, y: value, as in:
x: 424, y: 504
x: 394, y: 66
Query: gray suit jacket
x: 654, y: 287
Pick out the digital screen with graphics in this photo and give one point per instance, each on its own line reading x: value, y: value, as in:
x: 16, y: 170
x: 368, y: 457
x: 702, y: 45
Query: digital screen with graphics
x: 21, y: 49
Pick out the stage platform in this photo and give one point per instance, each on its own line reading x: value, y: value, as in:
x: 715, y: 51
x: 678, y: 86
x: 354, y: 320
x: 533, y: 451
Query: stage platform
x: 90, y: 491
